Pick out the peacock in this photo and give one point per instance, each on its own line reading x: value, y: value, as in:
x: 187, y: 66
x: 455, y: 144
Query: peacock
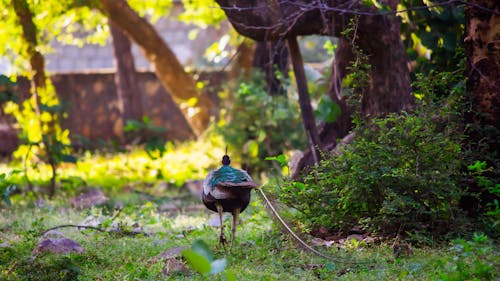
x: 227, y: 190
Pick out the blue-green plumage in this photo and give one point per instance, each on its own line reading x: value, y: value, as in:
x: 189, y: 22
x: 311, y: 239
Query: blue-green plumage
x: 227, y: 186
x: 227, y: 173
x: 227, y: 190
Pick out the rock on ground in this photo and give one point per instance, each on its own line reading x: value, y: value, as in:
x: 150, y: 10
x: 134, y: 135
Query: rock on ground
x: 58, y: 246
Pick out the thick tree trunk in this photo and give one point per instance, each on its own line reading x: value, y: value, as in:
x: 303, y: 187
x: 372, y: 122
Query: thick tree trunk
x: 377, y: 36
x: 167, y: 67
x: 331, y: 132
x: 482, y: 46
x: 389, y: 88
x: 125, y: 78
x: 242, y: 62
x: 483, y: 62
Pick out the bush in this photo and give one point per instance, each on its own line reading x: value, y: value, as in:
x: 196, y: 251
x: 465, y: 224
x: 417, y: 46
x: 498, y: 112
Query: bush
x: 398, y: 174
x: 255, y: 121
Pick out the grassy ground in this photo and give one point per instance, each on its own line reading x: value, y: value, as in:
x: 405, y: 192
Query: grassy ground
x: 262, y: 251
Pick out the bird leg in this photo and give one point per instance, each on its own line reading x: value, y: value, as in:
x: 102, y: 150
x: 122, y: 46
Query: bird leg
x: 222, y: 238
x: 236, y: 212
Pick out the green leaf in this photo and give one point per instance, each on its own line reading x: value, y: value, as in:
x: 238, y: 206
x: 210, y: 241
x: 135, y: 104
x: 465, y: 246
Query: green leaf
x: 299, y: 185
x: 230, y: 276
x: 218, y: 266
x: 327, y: 110
x: 196, y: 261
x: 7, y: 193
x: 5, y: 80
x: 280, y: 114
x: 51, y: 108
x: 133, y: 126
x: 281, y: 159
x: 478, y: 166
x: 200, y: 247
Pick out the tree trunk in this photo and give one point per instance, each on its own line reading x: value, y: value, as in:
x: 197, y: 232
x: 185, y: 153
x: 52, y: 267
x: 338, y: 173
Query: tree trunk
x: 242, y: 62
x: 482, y: 46
x: 308, y: 118
x: 167, y: 67
x: 483, y: 62
x: 377, y: 36
x: 129, y: 98
x: 38, y: 79
x: 389, y: 89
x: 331, y: 132
x: 271, y: 57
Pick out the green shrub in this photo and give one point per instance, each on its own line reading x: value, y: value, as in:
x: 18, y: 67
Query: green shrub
x: 469, y: 260
x: 255, y: 121
x: 398, y: 174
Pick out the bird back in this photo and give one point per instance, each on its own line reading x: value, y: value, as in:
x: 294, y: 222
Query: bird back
x: 228, y: 174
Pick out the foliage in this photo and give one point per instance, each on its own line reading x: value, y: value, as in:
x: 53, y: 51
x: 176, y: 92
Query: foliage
x: 432, y: 35
x: 38, y: 116
x: 357, y: 79
x: 201, y: 259
x: 155, y: 146
x: 7, y: 188
x: 7, y: 92
x: 202, y: 13
x: 43, y: 138
x: 468, y: 261
x: 254, y: 123
x: 487, y: 184
x: 399, y: 173
x: 179, y: 163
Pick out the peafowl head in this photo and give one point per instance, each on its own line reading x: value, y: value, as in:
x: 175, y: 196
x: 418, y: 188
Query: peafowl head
x: 226, y: 160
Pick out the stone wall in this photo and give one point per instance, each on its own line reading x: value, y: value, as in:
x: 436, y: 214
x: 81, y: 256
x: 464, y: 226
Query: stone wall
x: 91, y: 104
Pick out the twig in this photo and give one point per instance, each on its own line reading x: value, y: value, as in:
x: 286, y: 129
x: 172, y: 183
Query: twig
x: 116, y: 231
x: 73, y: 225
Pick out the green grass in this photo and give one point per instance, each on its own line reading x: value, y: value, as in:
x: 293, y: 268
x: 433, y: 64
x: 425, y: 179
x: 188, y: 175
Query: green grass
x: 262, y: 250
x: 181, y: 162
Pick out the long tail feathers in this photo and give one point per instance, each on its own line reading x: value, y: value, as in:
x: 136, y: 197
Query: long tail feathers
x: 301, y: 242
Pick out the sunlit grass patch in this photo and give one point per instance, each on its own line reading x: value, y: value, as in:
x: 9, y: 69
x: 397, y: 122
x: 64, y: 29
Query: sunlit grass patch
x: 181, y: 162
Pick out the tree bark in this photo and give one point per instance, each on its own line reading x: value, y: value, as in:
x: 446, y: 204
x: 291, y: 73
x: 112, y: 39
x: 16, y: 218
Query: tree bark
x: 308, y: 118
x: 389, y: 88
x: 378, y: 39
x: 242, y: 62
x: 38, y: 79
x: 332, y: 131
x: 125, y: 77
x: 482, y: 48
x: 483, y: 68
x: 271, y: 57
x: 169, y: 70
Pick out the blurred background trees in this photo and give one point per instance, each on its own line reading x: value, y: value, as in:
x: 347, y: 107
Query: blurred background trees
x: 362, y: 62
